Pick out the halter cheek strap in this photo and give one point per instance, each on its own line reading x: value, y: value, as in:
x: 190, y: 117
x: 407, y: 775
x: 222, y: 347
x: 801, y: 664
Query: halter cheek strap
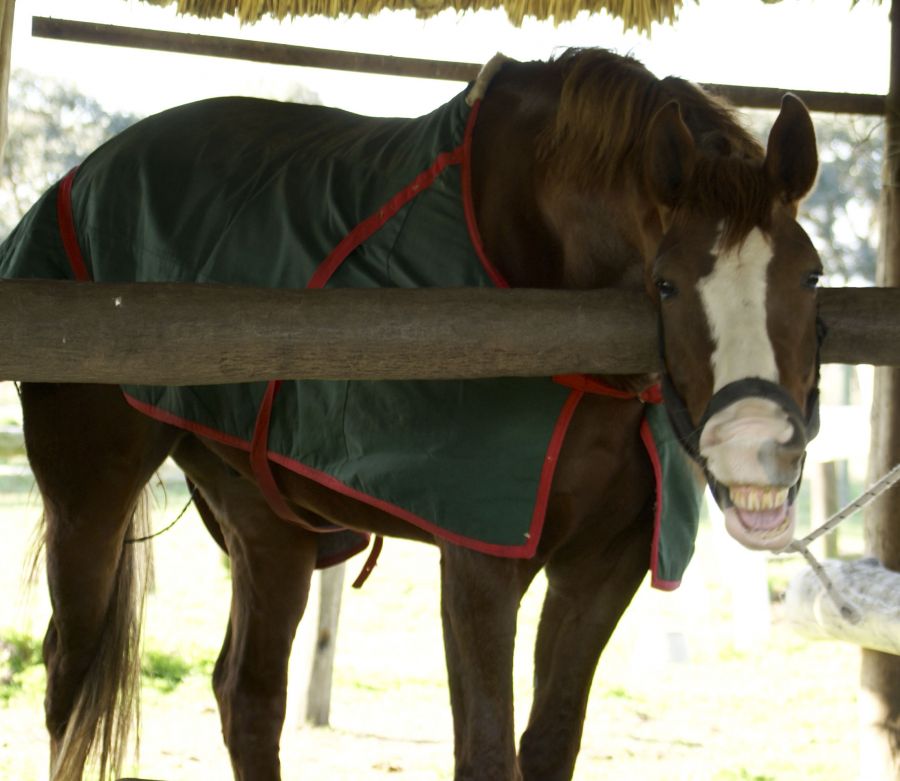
x: 749, y: 387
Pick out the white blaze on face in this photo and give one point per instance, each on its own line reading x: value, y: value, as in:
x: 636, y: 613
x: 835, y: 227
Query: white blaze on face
x: 734, y: 298
x: 740, y: 443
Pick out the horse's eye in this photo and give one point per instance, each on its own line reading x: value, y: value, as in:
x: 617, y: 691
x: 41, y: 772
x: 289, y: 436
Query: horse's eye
x: 812, y: 279
x: 666, y: 289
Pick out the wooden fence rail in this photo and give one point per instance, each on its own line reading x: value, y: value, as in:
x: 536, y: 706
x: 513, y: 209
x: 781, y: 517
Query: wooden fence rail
x: 185, y: 334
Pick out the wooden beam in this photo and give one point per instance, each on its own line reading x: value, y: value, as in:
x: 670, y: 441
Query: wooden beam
x: 867, y: 586
x: 188, y: 334
x: 284, y: 54
x: 863, y: 325
x: 254, y: 51
x: 825, y: 102
x: 180, y: 334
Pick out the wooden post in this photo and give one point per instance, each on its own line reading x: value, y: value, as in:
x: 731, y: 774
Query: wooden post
x: 7, y: 7
x: 880, y: 675
x: 825, y: 503
x: 318, y: 694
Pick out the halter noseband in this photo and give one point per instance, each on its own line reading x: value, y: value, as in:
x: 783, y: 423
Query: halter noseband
x: 749, y: 387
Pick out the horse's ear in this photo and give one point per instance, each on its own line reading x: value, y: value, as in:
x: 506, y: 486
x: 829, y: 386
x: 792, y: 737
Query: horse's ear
x: 791, y: 157
x: 670, y: 155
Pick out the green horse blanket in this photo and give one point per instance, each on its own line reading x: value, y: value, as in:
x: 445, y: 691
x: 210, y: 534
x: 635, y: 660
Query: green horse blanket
x: 245, y: 191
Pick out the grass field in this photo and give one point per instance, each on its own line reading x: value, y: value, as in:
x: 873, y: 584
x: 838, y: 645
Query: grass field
x: 706, y: 684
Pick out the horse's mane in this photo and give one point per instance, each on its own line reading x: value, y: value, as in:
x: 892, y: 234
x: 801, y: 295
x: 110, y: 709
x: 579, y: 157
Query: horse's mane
x: 602, y: 120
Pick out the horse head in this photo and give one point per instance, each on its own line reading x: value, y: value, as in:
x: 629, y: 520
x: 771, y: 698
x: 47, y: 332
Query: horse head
x: 735, y: 278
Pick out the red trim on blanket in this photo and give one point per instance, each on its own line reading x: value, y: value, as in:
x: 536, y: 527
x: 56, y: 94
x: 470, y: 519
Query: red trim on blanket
x: 525, y: 551
x: 259, y: 462
x: 327, y: 481
x: 260, y: 456
x: 371, y: 561
x: 67, y: 227
x: 551, y: 459
x: 373, y: 222
x: 163, y: 416
x: 653, y: 454
x: 469, y: 205
x: 590, y: 384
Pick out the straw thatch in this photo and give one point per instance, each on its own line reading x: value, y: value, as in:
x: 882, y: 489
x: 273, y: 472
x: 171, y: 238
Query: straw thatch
x: 637, y: 14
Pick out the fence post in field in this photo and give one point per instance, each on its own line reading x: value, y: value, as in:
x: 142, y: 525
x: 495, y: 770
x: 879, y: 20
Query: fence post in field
x: 318, y: 696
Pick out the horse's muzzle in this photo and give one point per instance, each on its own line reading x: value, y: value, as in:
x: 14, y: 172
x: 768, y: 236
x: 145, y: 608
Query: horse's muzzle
x: 751, y: 443
x: 753, y: 452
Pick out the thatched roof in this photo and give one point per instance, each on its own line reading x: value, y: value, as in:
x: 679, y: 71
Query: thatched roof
x: 637, y: 14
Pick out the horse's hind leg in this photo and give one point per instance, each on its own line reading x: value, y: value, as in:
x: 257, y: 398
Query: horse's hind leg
x: 91, y: 455
x: 271, y: 565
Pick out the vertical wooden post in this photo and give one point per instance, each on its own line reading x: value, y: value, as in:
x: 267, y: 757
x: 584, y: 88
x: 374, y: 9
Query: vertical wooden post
x: 825, y: 503
x: 880, y: 675
x: 318, y: 695
x: 6, y: 27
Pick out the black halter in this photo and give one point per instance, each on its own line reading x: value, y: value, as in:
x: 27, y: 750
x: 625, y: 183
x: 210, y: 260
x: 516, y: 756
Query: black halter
x: 805, y: 427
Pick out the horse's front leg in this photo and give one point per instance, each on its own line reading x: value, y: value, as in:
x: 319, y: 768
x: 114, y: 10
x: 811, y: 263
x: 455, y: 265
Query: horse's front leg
x: 271, y: 564
x: 479, y: 601
x: 588, y: 590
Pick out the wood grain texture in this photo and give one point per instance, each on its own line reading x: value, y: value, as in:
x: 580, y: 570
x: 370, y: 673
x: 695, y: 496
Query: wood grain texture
x: 180, y: 334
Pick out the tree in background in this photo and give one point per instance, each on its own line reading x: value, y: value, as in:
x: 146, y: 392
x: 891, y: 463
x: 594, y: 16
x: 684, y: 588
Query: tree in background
x: 841, y: 214
x: 52, y: 127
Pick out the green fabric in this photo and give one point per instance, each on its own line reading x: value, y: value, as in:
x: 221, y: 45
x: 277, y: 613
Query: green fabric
x: 680, y: 500
x: 243, y: 191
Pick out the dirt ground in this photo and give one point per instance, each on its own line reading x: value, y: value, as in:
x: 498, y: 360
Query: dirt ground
x: 705, y: 684
x: 679, y: 695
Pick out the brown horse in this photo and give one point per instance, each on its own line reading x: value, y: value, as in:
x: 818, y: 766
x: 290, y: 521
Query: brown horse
x: 585, y: 172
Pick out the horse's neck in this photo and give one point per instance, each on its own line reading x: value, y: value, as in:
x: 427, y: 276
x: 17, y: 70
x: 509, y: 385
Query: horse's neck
x: 544, y: 233
x: 509, y: 217
x: 554, y: 236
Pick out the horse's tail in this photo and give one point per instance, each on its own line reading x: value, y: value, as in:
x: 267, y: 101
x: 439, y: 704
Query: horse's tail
x: 109, y: 699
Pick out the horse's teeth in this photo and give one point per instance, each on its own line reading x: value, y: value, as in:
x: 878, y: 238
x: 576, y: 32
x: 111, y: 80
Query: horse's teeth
x: 755, y: 498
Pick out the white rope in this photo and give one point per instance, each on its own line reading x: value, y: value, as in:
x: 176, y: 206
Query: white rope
x: 848, y: 611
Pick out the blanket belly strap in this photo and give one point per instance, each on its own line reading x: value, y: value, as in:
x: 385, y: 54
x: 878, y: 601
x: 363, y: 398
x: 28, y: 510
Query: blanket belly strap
x: 265, y: 480
x: 262, y: 469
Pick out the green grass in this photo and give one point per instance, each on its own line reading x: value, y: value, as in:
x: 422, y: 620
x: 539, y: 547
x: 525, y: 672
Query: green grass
x: 18, y: 653
x: 165, y: 670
